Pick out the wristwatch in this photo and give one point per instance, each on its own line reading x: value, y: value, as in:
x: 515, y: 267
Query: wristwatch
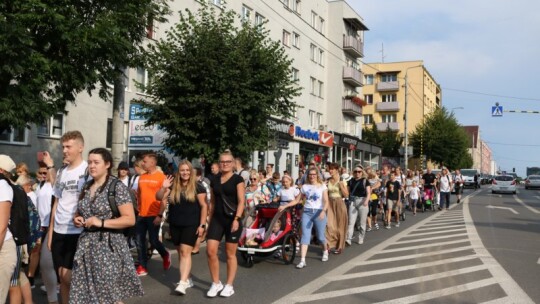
x: 50, y: 167
x: 203, y: 226
x: 237, y: 218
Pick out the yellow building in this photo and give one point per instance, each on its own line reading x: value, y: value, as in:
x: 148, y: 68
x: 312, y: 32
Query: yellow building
x: 392, y: 89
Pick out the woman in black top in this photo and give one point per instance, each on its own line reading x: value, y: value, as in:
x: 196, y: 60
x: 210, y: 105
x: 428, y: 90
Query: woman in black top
x: 226, y: 209
x: 187, y: 216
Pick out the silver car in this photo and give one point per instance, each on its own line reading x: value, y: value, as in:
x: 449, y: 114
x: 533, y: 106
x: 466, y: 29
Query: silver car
x: 503, y: 183
x: 532, y: 181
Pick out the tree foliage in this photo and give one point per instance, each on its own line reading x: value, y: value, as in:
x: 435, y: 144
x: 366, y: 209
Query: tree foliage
x: 52, y: 50
x: 444, y: 141
x: 215, y: 84
x: 389, y: 140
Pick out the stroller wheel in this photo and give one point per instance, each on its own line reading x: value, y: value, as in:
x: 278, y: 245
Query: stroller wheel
x: 244, y: 255
x: 288, y: 249
x: 402, y: 216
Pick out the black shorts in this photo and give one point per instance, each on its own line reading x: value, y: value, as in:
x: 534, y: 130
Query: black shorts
x: 63, y: 249
x: 373, y: 206
x: 185, y: 235
x: 220, y: 226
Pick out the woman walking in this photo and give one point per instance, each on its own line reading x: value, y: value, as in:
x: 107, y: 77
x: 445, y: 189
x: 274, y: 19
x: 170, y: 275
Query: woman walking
x: 336, y: 226
x: 103, y: 270
x: 315, y: 193
x: 226, y: 209
x: 187, y: 216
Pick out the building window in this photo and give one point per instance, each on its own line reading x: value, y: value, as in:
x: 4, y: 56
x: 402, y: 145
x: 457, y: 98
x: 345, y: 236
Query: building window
x: 389, y: 118
x: 321, y: 57
x: 286, y: 40
x: 388, y: 77
x: 318, y: 122
x: 286, y: 3
x: 108, y: 141
x: 368, y: 79
x: 312, y: 117
x: 368, y: 119
x: 321, y: 89
x: 368, y: 98
x: 313, y: 83
x: 312, y: 52
x: 321, y: 25
x: 14, y: 136
x: 246, y: 13
x: 259, y: 19
x: 296, y: 40
x: 296, y: 6
x: 141, y: 80
x: 52, y: 127
x: 389, y: 97
x: 313, y: 19
x: 295, y: 75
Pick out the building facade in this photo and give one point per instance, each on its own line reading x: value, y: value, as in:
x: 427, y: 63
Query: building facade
x: 480, y: 151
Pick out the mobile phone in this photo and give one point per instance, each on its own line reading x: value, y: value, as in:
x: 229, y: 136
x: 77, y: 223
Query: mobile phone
x: 40, y: 156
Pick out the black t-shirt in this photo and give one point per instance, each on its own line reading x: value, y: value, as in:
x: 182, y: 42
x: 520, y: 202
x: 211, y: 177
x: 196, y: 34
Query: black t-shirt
x: 186, y: 213
x: 428, y: 178
x: 393, y: 193
x: 360, y: 189
x: 228, y: 189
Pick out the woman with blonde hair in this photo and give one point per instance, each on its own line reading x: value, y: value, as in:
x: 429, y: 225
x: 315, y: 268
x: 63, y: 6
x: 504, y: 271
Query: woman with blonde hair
x: 187, y: 216
x: 256, y: 193
x: 336, y: 226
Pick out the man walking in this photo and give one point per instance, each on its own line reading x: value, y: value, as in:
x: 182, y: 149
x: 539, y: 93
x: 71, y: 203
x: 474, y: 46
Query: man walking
x: 393, y: 197
x: 150, y: 213
x: 8, y: 255
x: 445, y: 188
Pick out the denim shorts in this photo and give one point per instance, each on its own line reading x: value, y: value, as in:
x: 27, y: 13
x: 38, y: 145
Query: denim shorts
x: 310, y: 217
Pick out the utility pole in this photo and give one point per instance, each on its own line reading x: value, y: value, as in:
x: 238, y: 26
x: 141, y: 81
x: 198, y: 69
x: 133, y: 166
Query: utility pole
x: 405, y: 126
x: 119, y: 97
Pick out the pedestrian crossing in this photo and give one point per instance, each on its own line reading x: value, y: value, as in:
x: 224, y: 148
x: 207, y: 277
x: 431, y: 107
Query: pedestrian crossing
x: 438, y: 260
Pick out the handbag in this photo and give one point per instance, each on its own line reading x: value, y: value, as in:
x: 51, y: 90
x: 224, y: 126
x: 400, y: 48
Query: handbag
x: 228, y: 208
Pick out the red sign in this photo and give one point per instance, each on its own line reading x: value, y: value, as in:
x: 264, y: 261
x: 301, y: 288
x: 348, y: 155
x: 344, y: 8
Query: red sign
x: 326, y: 139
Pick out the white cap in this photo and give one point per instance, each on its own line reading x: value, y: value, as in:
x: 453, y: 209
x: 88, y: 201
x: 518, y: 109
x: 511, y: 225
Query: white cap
x: 6, y: 163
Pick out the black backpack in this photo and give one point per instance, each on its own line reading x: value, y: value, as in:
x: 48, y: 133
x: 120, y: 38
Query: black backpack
x: 19, y: 220
x: 114, y: 208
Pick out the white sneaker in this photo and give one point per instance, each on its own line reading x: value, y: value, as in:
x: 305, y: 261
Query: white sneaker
x: 387, y: 227
x: 214, y: 289
x: 301, y: 265
x: 227, y: 291
x: 396, y: 225
x: 182, y: 286
x: 348, y: 242
x: 190, y: 283
x: 325, y: 256
x: 360, y: 241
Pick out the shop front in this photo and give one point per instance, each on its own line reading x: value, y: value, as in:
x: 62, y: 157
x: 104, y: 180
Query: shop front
x: 350, y: 151
x: 315, y: 145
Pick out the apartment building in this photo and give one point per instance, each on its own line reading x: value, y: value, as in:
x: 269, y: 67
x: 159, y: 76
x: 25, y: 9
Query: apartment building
x: 325, y: 40
x: 480, y: 151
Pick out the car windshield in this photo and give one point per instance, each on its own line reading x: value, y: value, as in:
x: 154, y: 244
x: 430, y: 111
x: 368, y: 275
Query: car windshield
x: 535, y: 177
x: 504, y: 178
x: 466, y: 172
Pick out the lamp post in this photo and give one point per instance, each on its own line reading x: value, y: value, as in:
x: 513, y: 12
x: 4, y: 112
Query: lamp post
x: 405, y: 116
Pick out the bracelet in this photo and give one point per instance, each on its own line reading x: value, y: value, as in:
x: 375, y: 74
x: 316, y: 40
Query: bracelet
x: 102, y: 223
x: 50, y: 167
x: 237, y: 218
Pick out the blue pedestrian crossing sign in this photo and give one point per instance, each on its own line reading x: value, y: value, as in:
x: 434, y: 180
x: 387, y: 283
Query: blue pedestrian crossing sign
x: 497, y: 110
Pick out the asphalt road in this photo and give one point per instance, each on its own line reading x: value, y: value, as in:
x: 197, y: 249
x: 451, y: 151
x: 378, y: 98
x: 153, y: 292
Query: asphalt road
x: 471, y: 253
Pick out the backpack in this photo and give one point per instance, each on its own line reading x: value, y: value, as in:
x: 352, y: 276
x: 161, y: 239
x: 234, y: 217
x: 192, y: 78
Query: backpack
x: 133, y: 193
x: 34, y: 225
x: 129, y: 231
x: 19, y: 219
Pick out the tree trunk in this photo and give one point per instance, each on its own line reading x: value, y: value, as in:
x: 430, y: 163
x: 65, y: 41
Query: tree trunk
x: 119, y: 96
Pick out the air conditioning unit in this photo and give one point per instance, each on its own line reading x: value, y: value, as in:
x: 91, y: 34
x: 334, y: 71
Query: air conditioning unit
x: 323, y: 127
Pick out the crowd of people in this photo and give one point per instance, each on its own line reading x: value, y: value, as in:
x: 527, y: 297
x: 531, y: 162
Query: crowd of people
x: 89, y: 218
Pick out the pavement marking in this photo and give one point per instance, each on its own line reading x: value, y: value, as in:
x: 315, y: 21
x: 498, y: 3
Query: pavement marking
x: 447, y: 221
x: 504, y: 300
x: 527, y: 206
x: 386, y: 285
x: 504, y: 279
x: 430, y: 238
x: 357, y: 275
x: 504, y: 208
x: 538, y: 261
x: 439, y: 225
x: 442, y: 292
x: 439, y: 230
x: 422, y: 246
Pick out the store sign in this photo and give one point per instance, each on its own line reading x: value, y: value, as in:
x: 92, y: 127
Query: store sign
x: 326, y: 139
x: 284, y: 128
x: 348, y: 142
x: 139, y: 133
x: 306, y: 135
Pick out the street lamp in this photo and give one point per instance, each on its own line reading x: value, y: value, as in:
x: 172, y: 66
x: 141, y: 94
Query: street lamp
x: 456, y: 108
x: 405, y: 116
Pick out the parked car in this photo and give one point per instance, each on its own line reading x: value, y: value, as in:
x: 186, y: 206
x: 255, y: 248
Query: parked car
x: 503, y: 184
x: 468, y: 178
x: 532, y: 181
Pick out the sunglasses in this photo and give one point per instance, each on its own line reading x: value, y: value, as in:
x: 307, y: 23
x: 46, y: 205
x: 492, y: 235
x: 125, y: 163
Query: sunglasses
x: 253, y: 179
x: 226, y: 162
x: 43, y: 173
x: 357, y: 171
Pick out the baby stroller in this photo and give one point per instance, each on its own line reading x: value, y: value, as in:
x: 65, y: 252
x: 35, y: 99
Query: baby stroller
x: 428, y: 200
x: 259, y: 239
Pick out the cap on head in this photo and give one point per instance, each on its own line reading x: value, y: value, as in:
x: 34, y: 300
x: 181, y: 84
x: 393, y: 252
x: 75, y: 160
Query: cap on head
x: 6, y: 163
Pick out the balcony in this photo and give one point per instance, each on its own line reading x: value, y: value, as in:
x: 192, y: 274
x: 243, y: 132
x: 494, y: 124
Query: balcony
x: 352, y: 76
x: 383, y: 126
x: 351, y: 108
x: 353, y: 46
x: 387, y: 106
x: 388, y: 86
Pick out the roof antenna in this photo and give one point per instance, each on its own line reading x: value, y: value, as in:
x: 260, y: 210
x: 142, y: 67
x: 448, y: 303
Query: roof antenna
x: 382, y: 52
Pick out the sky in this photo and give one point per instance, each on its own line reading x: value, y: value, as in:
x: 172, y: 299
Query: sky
x: 480, y: 52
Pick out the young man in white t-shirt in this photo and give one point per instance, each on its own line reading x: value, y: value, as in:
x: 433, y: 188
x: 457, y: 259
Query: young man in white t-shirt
x: 69, y: 182
x: 445, y: 188
x: 8, y: 255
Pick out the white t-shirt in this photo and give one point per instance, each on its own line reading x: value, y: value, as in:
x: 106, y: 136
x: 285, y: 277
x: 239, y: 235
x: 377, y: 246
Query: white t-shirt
x: 44, y: 199
x: 414, y: 192
x: 287, y: 195
x: 69, y: 183
x: 125, y: 180
x: 314, y: 195
x: 444, y: 183
x: 6, y: 195
x: 32, y: 195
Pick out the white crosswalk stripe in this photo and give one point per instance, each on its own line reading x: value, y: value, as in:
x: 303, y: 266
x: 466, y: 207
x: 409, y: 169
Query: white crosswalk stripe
x: 440, y: 259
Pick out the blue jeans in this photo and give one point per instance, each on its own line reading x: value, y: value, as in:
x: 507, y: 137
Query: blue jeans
x: 142, y: 226
x: 310, y: 217
x: 445, y: 199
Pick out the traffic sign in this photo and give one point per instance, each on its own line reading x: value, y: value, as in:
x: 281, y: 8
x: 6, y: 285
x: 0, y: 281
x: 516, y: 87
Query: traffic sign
x: 497, y: 111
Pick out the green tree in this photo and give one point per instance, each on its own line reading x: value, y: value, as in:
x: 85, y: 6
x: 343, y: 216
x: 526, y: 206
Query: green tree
x: 442, y: 140
x: 389, y: 140
x: 52, y: 50
x: 215, y: 84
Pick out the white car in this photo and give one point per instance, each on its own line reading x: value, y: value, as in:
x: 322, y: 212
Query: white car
x: 503, y: 183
